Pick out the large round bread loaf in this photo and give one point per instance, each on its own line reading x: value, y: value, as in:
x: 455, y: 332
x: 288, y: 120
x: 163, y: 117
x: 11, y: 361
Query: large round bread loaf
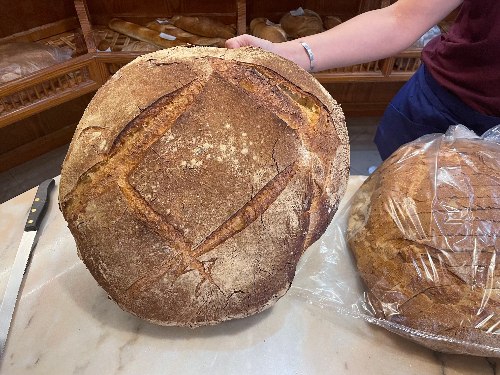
x: 424, y: 229
x: 196, y: 179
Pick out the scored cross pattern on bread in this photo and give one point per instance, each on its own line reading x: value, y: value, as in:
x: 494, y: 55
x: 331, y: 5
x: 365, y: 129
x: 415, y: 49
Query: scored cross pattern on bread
x: 192, y: 199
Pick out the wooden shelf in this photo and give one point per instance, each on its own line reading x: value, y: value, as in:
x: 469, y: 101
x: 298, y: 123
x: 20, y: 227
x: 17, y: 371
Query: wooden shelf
x: 47, y: 88
x: 75, y: 23
x: 62, y: 82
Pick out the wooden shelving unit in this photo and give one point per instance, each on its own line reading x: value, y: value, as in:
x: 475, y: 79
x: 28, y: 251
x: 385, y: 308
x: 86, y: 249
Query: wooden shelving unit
x: 49, y: 87
x: 80, y: 20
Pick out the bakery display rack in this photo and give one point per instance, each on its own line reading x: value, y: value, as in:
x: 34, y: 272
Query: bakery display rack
x: 362, y: 89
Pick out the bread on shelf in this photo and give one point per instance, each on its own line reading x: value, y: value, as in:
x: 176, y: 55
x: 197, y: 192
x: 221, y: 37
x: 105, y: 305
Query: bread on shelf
x: 329, y: 22
x: 185, y: 36
x: 203, y: 26
x: 262, y: 28
x: 142, y: 33
x: 301, y: 23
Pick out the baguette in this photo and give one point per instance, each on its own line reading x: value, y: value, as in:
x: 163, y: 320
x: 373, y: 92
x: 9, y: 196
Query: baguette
x: 142, y: 33
x: 203, y: 26
x: 186, y: 36
x: 260, y: 28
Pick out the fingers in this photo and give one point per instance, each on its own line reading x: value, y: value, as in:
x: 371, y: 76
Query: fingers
x: 246, y: 40
x: 233, y: 43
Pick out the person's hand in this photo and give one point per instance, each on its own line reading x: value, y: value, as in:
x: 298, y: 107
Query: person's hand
x: 289, y: 50
x: 246, y: 40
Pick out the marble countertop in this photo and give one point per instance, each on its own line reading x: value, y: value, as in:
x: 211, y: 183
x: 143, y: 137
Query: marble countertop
x: 65, y: 324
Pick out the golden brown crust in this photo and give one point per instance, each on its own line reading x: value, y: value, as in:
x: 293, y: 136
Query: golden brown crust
x: 427, y: 248
x: 196, y: 179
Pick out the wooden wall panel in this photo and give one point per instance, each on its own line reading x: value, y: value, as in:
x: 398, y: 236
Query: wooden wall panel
x: 363, y: 98
x: 142, y: 7
x: 203, y: 6
x: 17, y: 16
x: 35, y: 148
x: 42, y: 123
x: 141, y: 12
x: 40, y: 133
x: 273, y: 10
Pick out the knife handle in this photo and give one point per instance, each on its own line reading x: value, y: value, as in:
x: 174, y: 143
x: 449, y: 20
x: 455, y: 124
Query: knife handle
x: 39, y: 205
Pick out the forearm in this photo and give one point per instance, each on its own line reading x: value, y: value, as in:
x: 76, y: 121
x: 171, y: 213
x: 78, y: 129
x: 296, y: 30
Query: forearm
x: 369, y: 36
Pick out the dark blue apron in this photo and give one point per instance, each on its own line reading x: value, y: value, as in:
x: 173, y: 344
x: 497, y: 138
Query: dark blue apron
x: 423, y: 107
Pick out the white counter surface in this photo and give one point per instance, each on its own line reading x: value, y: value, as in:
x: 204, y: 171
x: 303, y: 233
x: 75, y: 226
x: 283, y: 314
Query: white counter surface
x: 65, y: 324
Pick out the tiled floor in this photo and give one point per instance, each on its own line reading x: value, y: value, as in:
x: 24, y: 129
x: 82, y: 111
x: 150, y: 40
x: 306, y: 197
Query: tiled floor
x: 19, y: 179
x: 364, y: 153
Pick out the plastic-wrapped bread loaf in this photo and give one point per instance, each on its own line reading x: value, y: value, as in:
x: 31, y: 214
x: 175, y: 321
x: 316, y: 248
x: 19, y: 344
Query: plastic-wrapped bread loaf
x: 424, y: 229
x: 262, y: 28
x: 186, y: 36
x: 204, y: 26
x: 23, y: 58
x: 301, y: 23
x: 142, y: 33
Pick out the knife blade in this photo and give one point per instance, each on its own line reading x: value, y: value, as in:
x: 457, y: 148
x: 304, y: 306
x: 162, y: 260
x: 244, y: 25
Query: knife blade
x: 35, y: 217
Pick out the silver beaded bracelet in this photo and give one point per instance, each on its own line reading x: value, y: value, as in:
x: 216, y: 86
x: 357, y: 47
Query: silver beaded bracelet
x: 311, y: 56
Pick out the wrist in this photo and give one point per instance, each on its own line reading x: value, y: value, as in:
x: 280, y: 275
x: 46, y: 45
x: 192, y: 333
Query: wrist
x: 294, y: 51
x: 310, y: 55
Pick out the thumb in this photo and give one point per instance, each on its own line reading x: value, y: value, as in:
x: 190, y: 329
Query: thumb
x: 248, y: 40
x: 234, y: 42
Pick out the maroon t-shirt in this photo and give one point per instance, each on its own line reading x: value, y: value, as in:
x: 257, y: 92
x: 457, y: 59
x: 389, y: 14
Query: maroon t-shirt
x: 466, y: 61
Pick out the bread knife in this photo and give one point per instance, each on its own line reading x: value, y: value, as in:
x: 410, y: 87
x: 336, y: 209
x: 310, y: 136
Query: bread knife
x: 35, y: 217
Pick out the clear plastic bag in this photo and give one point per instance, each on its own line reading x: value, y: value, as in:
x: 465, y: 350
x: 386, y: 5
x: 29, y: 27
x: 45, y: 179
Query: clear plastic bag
x: 416, y: 250
x: 427, y: 37
x: 20, y: 59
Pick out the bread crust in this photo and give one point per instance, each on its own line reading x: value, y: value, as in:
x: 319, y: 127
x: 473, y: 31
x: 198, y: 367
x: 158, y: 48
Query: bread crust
x: 196, y: 179
x: 425, y: 241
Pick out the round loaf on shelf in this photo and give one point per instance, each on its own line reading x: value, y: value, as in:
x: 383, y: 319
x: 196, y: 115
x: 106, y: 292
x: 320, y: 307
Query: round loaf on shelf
x: 305, y: 24
x: 331, y: 21
x: 260, y: 28
x: 424, y: 230
x: 196, y: 179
